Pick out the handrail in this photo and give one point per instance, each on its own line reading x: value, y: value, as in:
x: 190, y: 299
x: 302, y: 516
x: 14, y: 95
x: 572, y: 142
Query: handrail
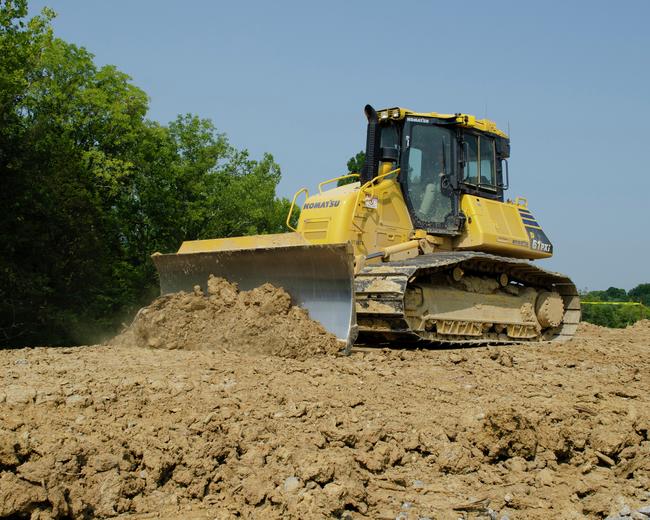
x: 522, y: 202
x: 320, y: 186
x: 372, y: 181
x: 293, y: 203
x: 367, y: 184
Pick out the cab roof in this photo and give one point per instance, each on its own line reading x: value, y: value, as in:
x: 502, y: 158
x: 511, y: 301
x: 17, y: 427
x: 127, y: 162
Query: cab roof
x: 464, y: 120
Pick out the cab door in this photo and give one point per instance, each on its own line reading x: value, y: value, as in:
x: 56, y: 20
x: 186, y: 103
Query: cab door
x: 428, y: 166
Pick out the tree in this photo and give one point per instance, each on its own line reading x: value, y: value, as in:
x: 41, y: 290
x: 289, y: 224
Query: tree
x: 641, y: 293
x: 615, y: 294
x: 621, y: 311
x: 76, y: 128
x: 91, y: 188
x: 355, y: 165
x: 612, y: 294
x: 616, y: 316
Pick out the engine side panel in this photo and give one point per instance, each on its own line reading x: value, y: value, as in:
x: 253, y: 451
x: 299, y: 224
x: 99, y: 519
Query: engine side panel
x: 502, y: 228
x: 371, y: 220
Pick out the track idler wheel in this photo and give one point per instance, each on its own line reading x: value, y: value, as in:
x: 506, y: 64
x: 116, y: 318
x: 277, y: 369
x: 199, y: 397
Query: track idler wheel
x: 549, y: 309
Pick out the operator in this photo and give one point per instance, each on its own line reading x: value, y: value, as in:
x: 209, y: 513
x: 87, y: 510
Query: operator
x: 434, y: 206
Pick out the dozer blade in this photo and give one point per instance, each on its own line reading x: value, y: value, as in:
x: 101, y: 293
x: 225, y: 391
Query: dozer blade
x: 319, y: 278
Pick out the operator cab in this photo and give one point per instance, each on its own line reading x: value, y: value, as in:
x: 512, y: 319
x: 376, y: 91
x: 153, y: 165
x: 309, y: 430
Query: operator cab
x: 440, y: 157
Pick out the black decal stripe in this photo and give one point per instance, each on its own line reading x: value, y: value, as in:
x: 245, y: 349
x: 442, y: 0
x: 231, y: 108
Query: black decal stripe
x: 529, y: 222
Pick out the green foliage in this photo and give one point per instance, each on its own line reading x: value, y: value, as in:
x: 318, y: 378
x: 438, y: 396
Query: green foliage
x: 641, y: 293
x: 617, y: 316
x: 355, y: 165
x: 91, y: 188
x: 611, y: 310
x: 613, y: 294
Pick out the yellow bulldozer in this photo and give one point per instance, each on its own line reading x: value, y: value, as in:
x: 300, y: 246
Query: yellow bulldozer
x: 418, y: 246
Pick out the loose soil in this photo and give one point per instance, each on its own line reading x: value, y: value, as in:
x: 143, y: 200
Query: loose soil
x: 259, y: 321
x: 205, y: 427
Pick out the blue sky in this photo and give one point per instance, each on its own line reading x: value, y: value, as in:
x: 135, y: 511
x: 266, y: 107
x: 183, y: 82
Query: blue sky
x: 570, y: 79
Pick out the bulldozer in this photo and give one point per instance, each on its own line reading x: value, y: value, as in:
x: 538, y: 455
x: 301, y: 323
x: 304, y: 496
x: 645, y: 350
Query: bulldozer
x: 420, y: 246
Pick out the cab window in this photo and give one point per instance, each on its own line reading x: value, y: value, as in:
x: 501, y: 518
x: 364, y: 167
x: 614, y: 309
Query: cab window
x: 415, y: 166
x: 471, y: 159
x: 479, y: 162
x: 488, y: 177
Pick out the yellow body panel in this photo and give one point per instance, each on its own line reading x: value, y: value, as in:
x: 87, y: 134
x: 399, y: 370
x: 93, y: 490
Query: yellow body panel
x: 496, y: 227
x: 371, y: 220
x: 326, y: 218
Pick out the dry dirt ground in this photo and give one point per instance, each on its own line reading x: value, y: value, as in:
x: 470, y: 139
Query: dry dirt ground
x: 535, y: 431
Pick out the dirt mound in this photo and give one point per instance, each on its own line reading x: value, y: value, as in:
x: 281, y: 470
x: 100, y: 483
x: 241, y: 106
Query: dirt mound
x: 641, y: 325
x: 259, y: 321
x: 532, y: 431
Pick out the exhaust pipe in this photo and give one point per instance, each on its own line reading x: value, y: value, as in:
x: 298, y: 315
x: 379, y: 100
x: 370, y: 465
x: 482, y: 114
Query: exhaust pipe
x: 371, y: 165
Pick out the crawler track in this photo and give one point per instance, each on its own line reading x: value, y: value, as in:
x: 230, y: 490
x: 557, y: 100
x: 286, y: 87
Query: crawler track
x: 380, y: 290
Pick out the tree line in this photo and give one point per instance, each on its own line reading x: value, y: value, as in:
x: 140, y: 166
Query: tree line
x: 91, y: 187
x: 611, y: 307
